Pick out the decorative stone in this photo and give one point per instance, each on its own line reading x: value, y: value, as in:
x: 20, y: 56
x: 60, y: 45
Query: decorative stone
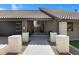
x: 15, y: 43
x: 25, y: 37
x: 62, y: 43
x: 53, y: 36
x: 3, y: 49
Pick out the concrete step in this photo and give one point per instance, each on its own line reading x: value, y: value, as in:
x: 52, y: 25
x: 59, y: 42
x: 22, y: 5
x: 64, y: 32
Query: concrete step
x: 39, y: 35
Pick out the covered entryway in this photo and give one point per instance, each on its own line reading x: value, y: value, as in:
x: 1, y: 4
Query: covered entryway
x: 8, y: 28
x: 41, y: 27
x: 38, y: 26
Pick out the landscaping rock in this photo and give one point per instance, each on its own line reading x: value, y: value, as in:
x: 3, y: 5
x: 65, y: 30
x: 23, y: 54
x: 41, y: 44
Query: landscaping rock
x: 15, y: 43
x: 62, y: 43
x: 53, y: 36
x: 3, y: 49
x: 25, y: 37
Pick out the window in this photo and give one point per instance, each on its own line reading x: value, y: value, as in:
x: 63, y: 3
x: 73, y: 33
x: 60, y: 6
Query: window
x: 70, y: 26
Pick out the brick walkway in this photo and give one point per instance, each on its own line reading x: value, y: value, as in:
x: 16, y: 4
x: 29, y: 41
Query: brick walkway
x: 39, y: 46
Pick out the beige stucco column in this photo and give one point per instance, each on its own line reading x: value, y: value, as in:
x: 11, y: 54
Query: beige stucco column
x: 63, y: 28
x: 24, y: 26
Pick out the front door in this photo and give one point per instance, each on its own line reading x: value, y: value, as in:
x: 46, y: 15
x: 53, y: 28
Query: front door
x: 39, y: 26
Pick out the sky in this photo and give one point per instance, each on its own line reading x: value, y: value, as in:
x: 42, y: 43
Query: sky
x: 69, y: 7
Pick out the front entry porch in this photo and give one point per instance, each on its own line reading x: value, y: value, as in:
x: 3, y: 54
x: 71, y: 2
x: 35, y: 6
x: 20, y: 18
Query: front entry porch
x: 41, y: 27
x: 38, y: 27
x: 46, y: 26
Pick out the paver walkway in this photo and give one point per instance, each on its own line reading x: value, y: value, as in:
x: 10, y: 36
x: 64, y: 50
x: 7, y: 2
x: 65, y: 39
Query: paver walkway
x: 39, y: 45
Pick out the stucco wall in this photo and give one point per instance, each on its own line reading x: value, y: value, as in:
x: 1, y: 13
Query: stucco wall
x: 74, y: 35
x: 50, y: 26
